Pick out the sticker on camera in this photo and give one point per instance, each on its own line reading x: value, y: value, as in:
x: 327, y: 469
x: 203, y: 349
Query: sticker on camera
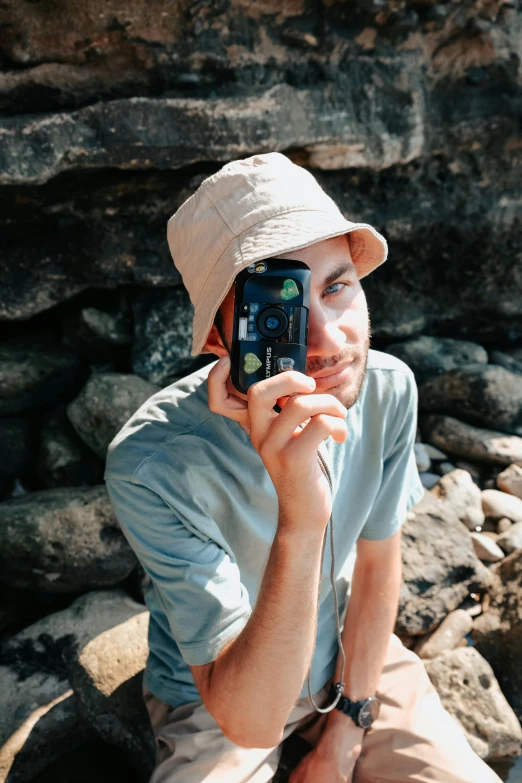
x: 251, y: 364
x: 289, y: 290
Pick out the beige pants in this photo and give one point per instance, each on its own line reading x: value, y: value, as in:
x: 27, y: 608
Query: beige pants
x: 414, y: 738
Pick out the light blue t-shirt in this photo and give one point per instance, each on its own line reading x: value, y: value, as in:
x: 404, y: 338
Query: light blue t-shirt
x: 198, y: 508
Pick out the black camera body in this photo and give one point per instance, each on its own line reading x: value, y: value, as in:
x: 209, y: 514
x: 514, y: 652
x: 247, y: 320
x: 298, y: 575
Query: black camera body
x: 271, y: 306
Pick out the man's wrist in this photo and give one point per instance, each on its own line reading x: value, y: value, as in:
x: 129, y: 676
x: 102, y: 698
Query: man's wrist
x: 340, y: 735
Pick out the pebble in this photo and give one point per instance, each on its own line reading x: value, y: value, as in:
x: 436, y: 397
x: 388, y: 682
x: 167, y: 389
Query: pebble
x: 498, y: 504
x: 486, y: 549
x: 445, y: 467
x: 510, y: 480
x: 422, y: 458
x: 511, y: 539
x: 435, y: 454
x: 429, y: 480
x: 447, y: 636
x: 503, y: 525
x: 457, y: 489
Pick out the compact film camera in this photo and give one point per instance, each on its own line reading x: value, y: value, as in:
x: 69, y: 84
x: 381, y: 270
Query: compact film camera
x: 271, y: 306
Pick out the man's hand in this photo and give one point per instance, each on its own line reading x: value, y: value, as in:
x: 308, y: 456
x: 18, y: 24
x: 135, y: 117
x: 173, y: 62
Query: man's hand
x: 335, y: 755
x: 287, y: 442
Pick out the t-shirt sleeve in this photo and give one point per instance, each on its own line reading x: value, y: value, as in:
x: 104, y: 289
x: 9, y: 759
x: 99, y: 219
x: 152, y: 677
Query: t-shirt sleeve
x: 197, y: 583
x: 401, y: 487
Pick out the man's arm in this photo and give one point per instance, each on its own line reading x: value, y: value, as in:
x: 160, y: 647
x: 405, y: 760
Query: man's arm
x: 370, y: 619
x: 253, y: 683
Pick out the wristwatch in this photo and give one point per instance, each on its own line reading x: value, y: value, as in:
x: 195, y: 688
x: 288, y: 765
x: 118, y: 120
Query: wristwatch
x: 363, y: 713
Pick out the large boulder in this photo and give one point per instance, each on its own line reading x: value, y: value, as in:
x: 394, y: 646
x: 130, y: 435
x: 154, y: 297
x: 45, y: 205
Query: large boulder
x: 100, y: 335
x: 35, y: 372
x: 16, y: 438
x: 62, y: 540
x: 470, y: 693
x: 39, y: 720
x: 161, y: 352
x: 498, y: 632
x: 433, y: 356
x: 440, y: 567
x: 484, y: 393
x: 470, y: 442
x: 107, y: 682
x: 63, y: 458
x: 103, y: 406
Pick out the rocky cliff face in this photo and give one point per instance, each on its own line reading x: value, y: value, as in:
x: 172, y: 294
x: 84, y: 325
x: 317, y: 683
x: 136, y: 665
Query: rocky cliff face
x: 408, y: 112
x: 111, y: 114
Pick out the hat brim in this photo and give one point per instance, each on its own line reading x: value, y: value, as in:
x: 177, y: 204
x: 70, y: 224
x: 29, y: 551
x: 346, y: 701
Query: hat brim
x: 281, y: 234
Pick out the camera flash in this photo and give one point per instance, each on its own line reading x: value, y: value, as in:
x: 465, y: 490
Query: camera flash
x: 242, y: 328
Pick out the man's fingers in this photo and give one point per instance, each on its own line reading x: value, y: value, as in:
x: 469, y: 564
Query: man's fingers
x: 263, y: 395
x: 297, y: 411
x: 317, y: 430
x: 219, y: 398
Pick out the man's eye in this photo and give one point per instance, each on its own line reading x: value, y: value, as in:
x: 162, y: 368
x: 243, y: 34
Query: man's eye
x: 329, y: 290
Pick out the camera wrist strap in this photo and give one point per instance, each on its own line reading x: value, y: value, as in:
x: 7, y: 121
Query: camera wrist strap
x: 338, y: 686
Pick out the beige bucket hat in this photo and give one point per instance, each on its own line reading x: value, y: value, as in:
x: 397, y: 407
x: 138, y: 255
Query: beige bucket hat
x: 251, y: 209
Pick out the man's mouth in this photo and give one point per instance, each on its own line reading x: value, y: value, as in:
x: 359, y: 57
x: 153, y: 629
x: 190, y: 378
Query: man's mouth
x: 335, y: 370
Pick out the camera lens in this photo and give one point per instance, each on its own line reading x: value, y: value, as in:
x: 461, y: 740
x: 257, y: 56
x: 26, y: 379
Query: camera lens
x: 272, y: 322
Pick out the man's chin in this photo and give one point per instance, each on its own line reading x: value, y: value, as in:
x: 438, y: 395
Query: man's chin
x: 349, y: 391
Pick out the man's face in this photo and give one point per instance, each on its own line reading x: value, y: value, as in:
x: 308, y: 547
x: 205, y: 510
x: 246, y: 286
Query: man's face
x: 338, y: 328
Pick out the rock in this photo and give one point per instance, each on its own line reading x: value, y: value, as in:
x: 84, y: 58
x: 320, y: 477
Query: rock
x: 429, y: 480
x: 458, y: 489
x: 62, y: 540
x: 498, y: 632
x: 440, y: 567
x: 498, y: 504
x: 107, y: 682
x: 435, y: 455
x: 63, y: 459
x: 99, y: 335
x: 103, y: 406
x: 38, y: 715
x: 421, y: 458
x: 485, y: 548
x: 483, y: 393
x: 145, y: 133
x: 511, y: 539
x: 470, y: 693
x: 510, y: 480
x: 163, y: 324
x: 455, y: 626
x: 470, y: 467
x: 16, y: 437
x: 503, y: 525
x: 489, y: 484
x: 35, y: 372
x: 464, y: 440
x: 446, y: 467
x: 432, y: 356
x: 506, y: 360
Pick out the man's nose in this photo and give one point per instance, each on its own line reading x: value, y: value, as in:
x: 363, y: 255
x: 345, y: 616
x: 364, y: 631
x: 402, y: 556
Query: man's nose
x: 325, y: 338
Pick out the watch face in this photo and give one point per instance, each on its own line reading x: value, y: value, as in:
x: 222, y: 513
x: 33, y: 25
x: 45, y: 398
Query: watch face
x: 369, y: 712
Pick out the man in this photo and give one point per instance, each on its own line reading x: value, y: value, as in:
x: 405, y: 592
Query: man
x: 226, y: 506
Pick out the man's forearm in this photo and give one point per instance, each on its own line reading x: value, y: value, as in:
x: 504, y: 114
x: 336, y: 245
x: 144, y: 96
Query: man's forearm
x: 369, y: 623
x: 257, y: 678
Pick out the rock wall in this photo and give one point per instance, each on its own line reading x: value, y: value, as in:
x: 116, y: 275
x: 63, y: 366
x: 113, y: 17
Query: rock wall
x: 111, y: 114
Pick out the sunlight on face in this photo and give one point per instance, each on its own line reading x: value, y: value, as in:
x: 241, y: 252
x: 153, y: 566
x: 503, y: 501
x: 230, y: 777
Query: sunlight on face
x: 339, y: 326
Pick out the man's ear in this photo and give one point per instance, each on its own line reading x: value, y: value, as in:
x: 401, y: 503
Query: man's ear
x: 214, y: 343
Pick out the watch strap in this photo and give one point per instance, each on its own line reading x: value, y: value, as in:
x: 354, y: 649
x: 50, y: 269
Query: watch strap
x: 348, y: 707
